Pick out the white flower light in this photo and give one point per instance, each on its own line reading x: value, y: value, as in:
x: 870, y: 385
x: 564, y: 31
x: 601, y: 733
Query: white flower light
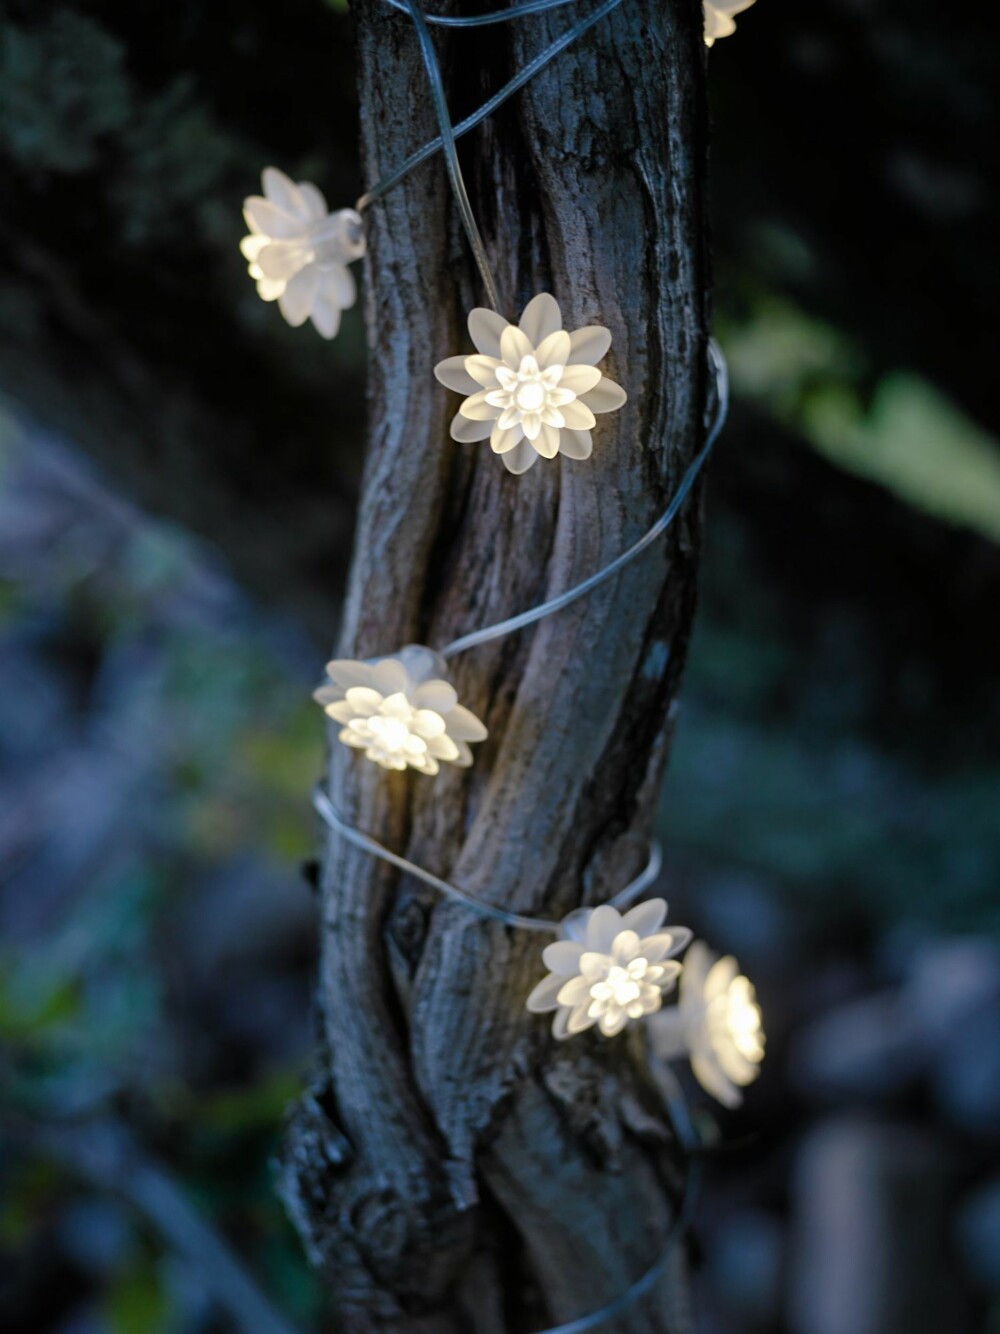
x: 719, y: 18
x: 533, y: 388
x: 298, y: 251
x: 400, y: 711
x: 608, y: 968
x: 716, y: 1022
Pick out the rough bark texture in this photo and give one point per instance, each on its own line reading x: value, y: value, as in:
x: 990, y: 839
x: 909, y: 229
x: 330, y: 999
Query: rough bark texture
x: 454, y: 1168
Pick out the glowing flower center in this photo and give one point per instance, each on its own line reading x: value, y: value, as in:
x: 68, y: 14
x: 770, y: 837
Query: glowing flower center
x: 396, y: 732
x: 622, y: 984
x: 735, y: 1017
x: 530, y: 395
x: 392, y: 732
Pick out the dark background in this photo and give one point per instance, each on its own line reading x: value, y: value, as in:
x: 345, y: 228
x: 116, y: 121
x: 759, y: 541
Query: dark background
x: 178, y: 472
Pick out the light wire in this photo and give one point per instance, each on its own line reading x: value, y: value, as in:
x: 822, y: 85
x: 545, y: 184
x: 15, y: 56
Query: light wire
x: 482, y: 20
x: 328, y: 812
x: 523, y: 76
x: 429, y: 57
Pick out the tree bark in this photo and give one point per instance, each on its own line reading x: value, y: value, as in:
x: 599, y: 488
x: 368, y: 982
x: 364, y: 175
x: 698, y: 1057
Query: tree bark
x: 454, y: 1167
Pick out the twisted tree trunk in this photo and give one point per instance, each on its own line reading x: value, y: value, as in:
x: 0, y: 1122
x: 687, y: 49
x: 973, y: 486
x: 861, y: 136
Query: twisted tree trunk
x: 454, y: 1168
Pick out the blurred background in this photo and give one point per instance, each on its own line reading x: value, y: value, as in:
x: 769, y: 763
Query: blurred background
x: 178, y: 473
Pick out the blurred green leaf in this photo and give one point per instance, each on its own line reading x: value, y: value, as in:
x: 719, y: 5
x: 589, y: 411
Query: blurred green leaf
x: 137, y: 1302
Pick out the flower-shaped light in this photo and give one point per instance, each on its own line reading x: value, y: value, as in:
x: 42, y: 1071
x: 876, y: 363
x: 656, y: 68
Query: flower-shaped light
x: 608, y: 968
x: 719, y: 18
x: 298, y: 251
x: 533, y: 388
x: 716, y: 1023
x: 400, y: 710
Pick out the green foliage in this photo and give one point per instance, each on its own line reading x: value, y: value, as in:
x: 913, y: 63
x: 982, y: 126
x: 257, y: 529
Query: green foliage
x: 901, y: 432
x: 63, y: 90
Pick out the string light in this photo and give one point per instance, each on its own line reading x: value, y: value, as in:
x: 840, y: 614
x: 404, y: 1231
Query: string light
x: 401, y: 710
x: 607, y: 969
x: 716, y: 1023
x: 533, y: 388
x: 298, y: 251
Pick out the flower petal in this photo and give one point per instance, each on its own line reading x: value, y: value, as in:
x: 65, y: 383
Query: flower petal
x: 575, y: 992
x: 440, y: 696
x: 463, y: 725
x: 483, y: 370
x: 541, y: 317
x: 326, y: 316
x: 347, y: 672
x: 468, y: 432
x: 547, y: 441
x: 340, y: 711
x: 464, y: 754
x: 270, y: 220
x: 543, y: 996
x: 613, y: 1022
x: 562, y: 957
x: 519, y: 459
x: 559, y: 1030
x: 283, y: 191
x: 350, y: 738
x: 476, y: 408
x: 421, y: 663
x: 579, y: 1020
x: 531, y: 424
x: 282, y: 259
x: 607, y: 397
x: 485, y: 329
x: 502, y: 440
x: 339, y: 286
x: 575, y: 444
x: 580, y: 378
x: 514, y: 346
x: 442, y: 748
x: 428, y: 723
x: 578, y: 415
x: 296, y: 300
x: 594, y: 965
x: 605, y: 923
x: 645, y: 918
x: 364, y: 700
x: 553, y: 350
x: 625, y: 947
x: 268, y: 289
x: 252, y: 245
x: 589, y: 345
x: 720, y: 977
x: 390, y: 676
x: 313, y: 201
x: 452, y: 374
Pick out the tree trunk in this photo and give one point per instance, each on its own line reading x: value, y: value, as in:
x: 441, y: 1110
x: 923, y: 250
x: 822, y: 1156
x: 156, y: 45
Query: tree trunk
x: 454, y: 1167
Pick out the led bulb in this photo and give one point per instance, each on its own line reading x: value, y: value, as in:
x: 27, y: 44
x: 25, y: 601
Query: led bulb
x: 401, y: 711
x: 608, y: 969
x: 298, y: 252
x: 532, y: 388
x: 716, y: 1024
